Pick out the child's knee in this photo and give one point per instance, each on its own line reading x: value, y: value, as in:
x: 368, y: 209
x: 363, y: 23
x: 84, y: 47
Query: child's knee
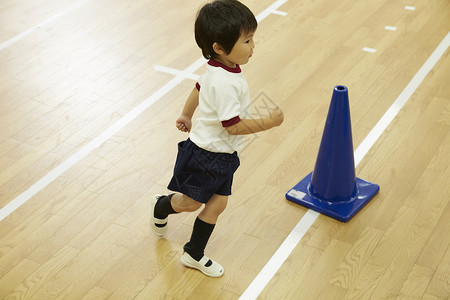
x: 190, y: 204
x: 195, y: 205
x: 218, y: 204
x: 185, y: 203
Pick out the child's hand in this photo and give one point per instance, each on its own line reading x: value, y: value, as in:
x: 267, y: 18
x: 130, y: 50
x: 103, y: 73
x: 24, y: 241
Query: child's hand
x: 277, y: 116
x: 184, y: 123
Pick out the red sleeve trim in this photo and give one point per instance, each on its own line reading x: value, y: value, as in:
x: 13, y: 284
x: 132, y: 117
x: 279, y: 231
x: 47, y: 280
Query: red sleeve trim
x: 197, y: 85
x: 231, y: 122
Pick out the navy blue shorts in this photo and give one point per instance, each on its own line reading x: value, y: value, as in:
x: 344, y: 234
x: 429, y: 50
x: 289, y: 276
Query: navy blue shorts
x: 199, y: 174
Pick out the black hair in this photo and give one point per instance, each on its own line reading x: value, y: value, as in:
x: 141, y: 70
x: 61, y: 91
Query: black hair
x: 222, y: 22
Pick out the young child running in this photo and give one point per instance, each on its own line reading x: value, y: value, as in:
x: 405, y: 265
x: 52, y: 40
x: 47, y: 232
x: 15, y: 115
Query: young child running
x: 207, y: 160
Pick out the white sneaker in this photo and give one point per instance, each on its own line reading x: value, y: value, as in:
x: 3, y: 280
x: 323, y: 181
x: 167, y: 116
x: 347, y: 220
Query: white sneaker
x: 214, y: 270
x: 160, y: 231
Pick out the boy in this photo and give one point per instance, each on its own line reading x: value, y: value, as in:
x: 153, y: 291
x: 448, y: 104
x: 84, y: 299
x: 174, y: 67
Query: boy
x: 206, y: 162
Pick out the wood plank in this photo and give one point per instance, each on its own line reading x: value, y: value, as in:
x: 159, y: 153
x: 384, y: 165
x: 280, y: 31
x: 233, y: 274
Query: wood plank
x: 37, y: 279
x: 440, y: 283
x: 86, y: 235
x: 416, y: 283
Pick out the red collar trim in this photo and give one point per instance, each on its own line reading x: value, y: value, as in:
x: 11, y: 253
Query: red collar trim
x: 216, y: 63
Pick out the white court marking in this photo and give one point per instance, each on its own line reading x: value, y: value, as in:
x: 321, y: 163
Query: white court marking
x: 294, y: 237
x: 390, y: 28
x: 280, y: 13
x: 370, y: 50
x: 175, y: 72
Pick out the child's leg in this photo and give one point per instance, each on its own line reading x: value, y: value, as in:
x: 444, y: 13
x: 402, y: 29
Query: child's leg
x: 215, y: 206
x: 174, y: 203
x: 203, y: 228
x: 163, y: 206
x: 182, y: 203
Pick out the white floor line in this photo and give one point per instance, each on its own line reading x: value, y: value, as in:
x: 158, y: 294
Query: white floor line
x: 122, y: 122
x: 175, y: 72
x: 370, y: 50
x: 274, y: 7
x: 280, y: 256
x: 390, y: 28
x: 294, y: 237
x: 33, y: 29
x: 280, y: 13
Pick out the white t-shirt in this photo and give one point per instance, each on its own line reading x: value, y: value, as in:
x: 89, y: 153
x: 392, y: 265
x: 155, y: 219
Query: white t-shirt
x: 224, y: 98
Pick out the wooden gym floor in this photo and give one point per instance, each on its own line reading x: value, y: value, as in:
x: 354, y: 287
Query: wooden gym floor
x: 87, y: 136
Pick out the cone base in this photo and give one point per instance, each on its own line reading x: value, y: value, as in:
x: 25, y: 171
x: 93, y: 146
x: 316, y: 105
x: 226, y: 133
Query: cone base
x: 341, y: 211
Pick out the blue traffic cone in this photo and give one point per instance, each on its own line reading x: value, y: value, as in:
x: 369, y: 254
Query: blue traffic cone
x: 332, y: 188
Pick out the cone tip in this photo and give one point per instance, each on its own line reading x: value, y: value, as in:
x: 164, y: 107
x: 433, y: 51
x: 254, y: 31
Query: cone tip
x: 340, y: 89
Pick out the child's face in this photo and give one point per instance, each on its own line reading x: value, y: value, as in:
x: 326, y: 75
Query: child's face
x: 241, y: 52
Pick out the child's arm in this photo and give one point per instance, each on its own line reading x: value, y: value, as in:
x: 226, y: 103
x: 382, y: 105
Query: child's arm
x: 249, y: 126
x: 184, y: 122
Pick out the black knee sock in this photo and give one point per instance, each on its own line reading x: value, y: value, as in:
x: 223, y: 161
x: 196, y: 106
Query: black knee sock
x: 163, y: 208
x: 199, y: 238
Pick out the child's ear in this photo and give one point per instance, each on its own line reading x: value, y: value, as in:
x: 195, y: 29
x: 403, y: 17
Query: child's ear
x: 218, y: 49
